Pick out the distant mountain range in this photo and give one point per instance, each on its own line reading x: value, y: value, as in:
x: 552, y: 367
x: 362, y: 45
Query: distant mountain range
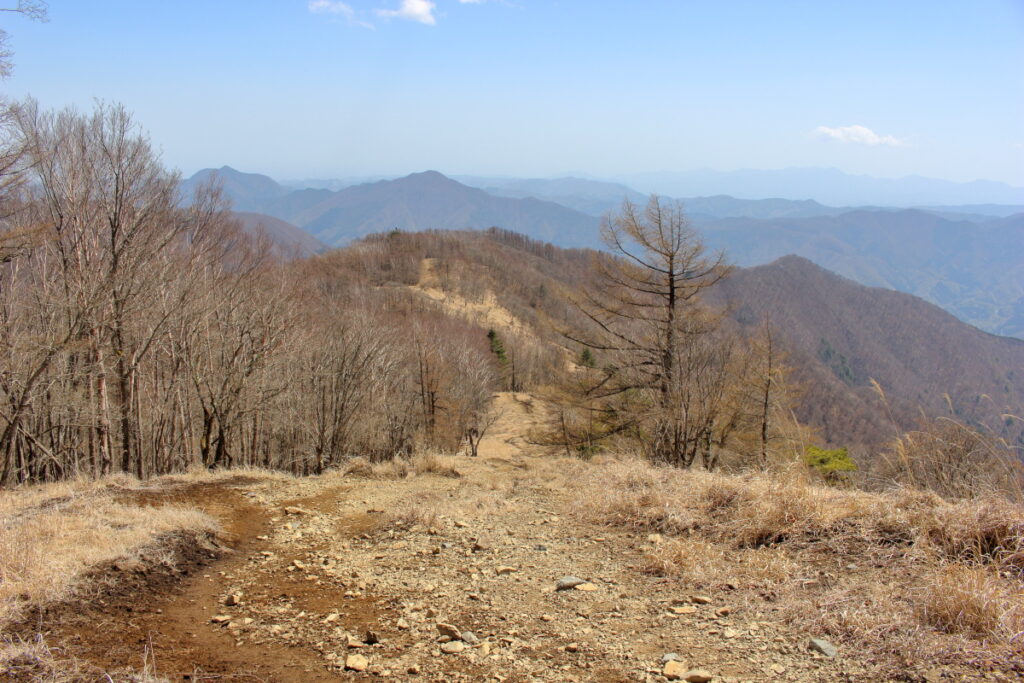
x: 968, y: 259
x: 974, y: 270
x: 420, y: 201
x: 826, y: 185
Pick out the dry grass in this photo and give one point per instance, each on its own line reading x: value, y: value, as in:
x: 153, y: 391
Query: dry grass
x: 403, y: 468
x: 955, y: 460
x: 972, y: 601
x: 902, y: 573
x: 51, y: 535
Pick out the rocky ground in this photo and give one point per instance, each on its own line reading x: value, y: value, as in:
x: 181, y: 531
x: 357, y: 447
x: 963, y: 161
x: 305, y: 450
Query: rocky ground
x: 481, y: 573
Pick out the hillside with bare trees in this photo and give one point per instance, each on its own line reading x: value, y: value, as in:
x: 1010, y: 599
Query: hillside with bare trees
x: 365, y: 428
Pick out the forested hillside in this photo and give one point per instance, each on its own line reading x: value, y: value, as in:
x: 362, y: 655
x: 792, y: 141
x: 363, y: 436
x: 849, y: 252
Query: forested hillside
x: 842, y: 336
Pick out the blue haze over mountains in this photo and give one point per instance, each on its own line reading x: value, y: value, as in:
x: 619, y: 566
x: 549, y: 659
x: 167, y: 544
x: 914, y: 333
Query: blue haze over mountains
x: 959, y: 246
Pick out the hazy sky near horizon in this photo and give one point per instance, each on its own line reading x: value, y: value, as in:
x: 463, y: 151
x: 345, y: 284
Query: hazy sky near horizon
x: 321, y: 88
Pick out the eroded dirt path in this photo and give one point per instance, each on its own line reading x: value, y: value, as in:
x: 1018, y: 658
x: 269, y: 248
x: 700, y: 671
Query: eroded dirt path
x: 330, y: 567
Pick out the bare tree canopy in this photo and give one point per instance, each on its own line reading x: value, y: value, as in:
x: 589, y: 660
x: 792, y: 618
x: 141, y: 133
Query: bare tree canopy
x: 37, y: 10
x: 662, y: 371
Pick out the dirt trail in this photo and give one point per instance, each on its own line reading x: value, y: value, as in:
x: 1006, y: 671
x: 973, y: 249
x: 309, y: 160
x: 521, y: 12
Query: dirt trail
x: 323, y: 567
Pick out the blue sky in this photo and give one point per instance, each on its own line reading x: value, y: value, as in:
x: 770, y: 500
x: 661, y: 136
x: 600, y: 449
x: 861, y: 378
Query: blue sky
x: 318, y: 88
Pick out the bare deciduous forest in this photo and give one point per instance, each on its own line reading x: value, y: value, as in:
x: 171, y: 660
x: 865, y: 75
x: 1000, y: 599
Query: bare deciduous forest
x: 146, y: 333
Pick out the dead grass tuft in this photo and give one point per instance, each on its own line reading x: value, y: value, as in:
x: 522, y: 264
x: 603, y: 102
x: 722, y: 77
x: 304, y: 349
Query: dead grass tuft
x: 974, y: 601
x: 403, y: 468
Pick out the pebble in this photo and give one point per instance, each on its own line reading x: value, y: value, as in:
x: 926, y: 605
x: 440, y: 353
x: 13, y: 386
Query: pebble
x: 469, y: 638
x: 700, y: 600
x: 453, y: 647
x: 568, y: 583
x: 824, y: 647
x: 356, y: 663
x: 673, y: 670
x: 697, y: 676
x: 449, y: 630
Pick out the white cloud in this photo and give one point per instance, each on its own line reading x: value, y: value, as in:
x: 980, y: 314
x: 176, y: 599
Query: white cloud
x: 857, y: 135
x: 413, y: 10
x: 338, y: 8
x: 331, y: 7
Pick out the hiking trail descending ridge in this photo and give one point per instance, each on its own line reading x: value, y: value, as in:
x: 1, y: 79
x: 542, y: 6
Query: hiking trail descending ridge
x: 370, y: 572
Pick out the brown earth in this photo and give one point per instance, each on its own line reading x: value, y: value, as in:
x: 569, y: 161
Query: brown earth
x: 326, y: 563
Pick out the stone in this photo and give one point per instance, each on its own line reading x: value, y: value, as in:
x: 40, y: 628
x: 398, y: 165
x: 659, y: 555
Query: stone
x: 449, y: 631
x: 673, y: 670
x: 700, y: 600
x: 402, y: 624
x: 356, y: 663
x: 352, y: 642
x: 371, y: 638
x: 484, y: 648
x: 586, y: 587
x: 687, y: 609
x: 697, y: 676
x: 670, y: 657
x: 824, y: 647
x: 723, y: 611
x: 470, y: 638
x: 292, y: 510
x: 568, y: 583
x: 503, y: 570
x: 572, y: 647
x: 220, y: 618
x: 129, y: 566
x: 453, y: 647
x: 413, y: 670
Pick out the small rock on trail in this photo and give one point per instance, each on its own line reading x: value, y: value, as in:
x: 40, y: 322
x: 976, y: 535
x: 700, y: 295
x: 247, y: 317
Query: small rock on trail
x: 824, y: 647
x: 356, y: 663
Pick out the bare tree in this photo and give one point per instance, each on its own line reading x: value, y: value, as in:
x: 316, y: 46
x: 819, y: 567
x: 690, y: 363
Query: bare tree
x: 36, y: 10
x: 644, y: 316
